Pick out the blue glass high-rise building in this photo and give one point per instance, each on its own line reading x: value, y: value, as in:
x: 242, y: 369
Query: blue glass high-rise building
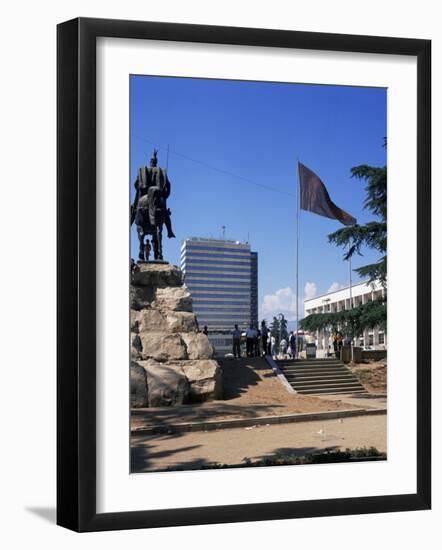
x: 222, y: 278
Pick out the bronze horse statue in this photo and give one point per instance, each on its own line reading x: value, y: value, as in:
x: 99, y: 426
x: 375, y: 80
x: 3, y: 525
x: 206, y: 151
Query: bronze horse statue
x: 149, y: 211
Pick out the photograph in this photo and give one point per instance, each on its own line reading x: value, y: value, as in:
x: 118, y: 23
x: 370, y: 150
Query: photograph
x: 258, y: 273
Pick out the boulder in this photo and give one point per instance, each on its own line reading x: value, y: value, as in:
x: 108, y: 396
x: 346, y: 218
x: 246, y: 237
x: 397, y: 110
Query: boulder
x: 176, y: 298
x: 167, y: 385
x: 171, y: 362
x: 198, y: 345
x: 154, y: 275
x: 138, y: 386
x: 181, y: 321
x: 152, y: 320
x: 205, y: 379
x: 141, y: 296
x: 162, y: 347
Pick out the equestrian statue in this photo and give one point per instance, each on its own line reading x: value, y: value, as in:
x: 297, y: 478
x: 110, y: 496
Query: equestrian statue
x: 149, y: 210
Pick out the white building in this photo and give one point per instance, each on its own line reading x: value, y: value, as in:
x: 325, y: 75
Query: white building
x: 340, y: 300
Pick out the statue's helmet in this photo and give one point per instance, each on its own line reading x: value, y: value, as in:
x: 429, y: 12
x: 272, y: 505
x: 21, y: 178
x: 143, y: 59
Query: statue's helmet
x: 154, y: 159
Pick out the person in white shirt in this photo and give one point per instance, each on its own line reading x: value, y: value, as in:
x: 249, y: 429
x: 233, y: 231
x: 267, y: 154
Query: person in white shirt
x: 272, y: 346
x: 283, y: 346
x: 250, y: 339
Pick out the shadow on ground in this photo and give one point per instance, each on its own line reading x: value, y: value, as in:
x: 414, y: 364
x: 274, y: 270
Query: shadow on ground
x: 240, y: 374
x: 143, y: 456
x: 143, y: 453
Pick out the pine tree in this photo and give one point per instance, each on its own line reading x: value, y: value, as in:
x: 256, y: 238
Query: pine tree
x: 374, y: 233
x: 278, y: 328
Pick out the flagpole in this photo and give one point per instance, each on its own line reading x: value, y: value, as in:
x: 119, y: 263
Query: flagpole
x: 349, y: 265
x: 297, y: 259
x: 351, y: 301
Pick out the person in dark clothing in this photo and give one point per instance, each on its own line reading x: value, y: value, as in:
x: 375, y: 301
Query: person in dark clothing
x: 335, y: 346
x: 340, y: 343
x: 205, y: 331
x: 236, y: 335
x: 257, y: 342
x: 292, y: 344
x: 264, y: 338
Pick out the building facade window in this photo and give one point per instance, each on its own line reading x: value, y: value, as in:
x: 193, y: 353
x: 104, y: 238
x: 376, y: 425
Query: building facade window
x: 222, y: 277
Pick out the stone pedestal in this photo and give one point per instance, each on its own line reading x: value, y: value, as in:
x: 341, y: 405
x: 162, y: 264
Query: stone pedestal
x: 172, y: 362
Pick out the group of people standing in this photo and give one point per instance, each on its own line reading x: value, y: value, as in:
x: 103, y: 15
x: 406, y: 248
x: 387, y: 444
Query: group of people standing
x: 288, y: 347
x: 261, y: 342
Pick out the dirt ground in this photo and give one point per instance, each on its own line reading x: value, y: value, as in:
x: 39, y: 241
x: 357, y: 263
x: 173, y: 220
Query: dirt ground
x: 372, y: 374
x: 188, y: 451
x: 250, y: 390
x: 248, y: 382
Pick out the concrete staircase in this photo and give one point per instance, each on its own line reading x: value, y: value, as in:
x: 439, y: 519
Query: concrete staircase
x: 320, y: 376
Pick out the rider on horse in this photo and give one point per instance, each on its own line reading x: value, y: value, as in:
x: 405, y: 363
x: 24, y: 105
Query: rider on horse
x: 149, y: 210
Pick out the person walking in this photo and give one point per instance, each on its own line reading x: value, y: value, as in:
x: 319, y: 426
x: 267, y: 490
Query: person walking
x: 236, y: 336
x: 264, y: 337
x: 250, y: 338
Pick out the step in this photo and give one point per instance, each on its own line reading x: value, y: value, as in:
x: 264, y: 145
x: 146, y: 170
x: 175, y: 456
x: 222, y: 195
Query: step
x: 321, y: 382
x: 312, y: 367
x: 302, y: 378
x: 332, y: 392
x: 309, y: 363
x: 307, y: 372
x: 337, y: 389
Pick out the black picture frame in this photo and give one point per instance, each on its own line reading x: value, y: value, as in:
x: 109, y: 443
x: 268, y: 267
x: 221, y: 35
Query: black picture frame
x: 76, y: 274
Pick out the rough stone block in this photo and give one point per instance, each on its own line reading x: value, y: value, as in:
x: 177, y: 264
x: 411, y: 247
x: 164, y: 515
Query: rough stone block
x: 138, y: 386
x: 181, y: 321
x: 157, y: 275
x: 167, y: 385
x: 162, y: 347
x: 141, y: 296
x: 205, y: 379
x: 151, y: 320
x: 198, y: 345
x: 173, y: 298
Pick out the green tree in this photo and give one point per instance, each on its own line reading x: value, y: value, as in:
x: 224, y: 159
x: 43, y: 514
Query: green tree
x: 278, y: 328
x: 374, y: 233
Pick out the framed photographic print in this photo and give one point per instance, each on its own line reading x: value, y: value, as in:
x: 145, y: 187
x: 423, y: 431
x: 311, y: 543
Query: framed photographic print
x: 243, y: 240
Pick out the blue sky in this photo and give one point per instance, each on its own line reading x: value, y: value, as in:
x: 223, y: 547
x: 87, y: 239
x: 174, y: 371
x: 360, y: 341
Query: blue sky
x: 223, y: 135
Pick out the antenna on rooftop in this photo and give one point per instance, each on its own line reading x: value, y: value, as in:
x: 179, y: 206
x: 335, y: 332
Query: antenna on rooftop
x: 223, y: 228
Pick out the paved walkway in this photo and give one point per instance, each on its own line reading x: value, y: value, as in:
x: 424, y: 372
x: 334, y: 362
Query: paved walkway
x: 191, y: 450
